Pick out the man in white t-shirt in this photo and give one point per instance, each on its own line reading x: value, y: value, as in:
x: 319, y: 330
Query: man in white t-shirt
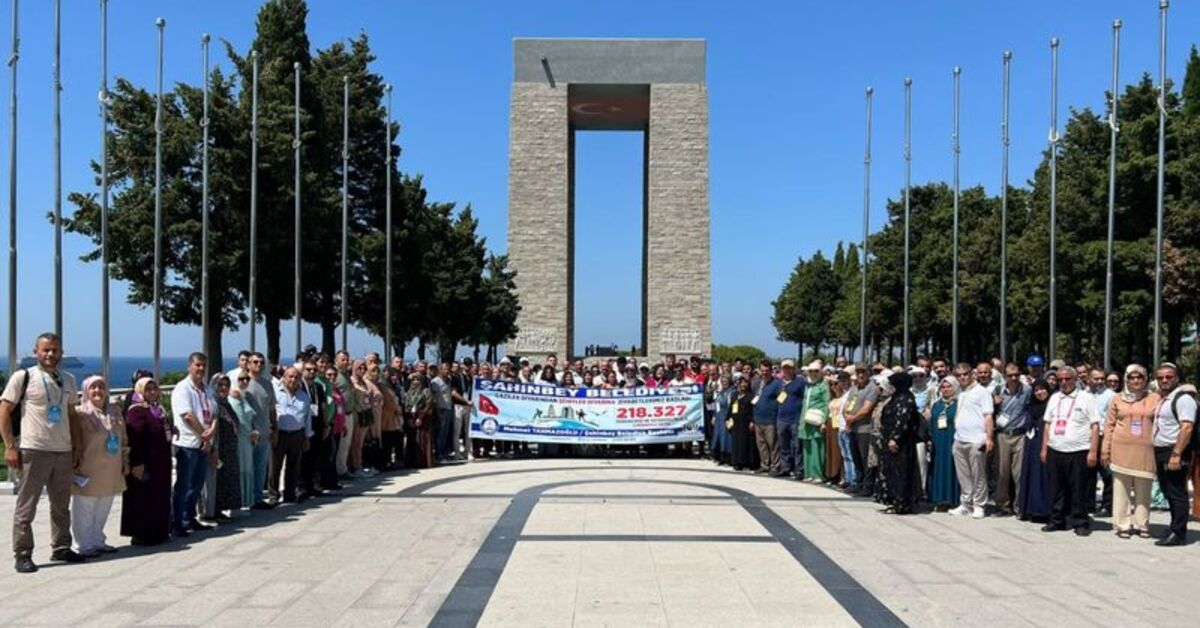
x: 1070, y: 446
x: 41, y: 445
x: 1173, y: 424
x: 193, y: 409
x: 973, y: 429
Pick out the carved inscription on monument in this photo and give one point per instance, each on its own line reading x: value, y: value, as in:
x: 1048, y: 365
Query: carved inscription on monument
x: 536, y: 340
x: 681, y: 340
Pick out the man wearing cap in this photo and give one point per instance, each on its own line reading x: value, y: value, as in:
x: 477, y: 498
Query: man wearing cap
x: 766, y: 413
x: 1037, y: 371
x: 791, y: 401
x: 861, y: 404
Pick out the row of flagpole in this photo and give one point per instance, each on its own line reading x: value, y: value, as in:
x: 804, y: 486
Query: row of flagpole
x: 105, y: 101
x: 1053, y: 139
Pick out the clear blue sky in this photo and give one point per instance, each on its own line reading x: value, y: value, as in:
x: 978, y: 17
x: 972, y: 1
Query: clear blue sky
x: 785, y: 83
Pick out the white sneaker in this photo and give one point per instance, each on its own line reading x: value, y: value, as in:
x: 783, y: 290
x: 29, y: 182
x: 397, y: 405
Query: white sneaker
x: 960, y: 511
x: 978, y: 513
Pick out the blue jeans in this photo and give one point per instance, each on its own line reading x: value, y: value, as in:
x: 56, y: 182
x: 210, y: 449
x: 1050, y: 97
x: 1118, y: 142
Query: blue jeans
x: 785, y: 434
x: 845, y: 445
x: 191, y: 468
x: 445, y: 434
x: 262, y: 460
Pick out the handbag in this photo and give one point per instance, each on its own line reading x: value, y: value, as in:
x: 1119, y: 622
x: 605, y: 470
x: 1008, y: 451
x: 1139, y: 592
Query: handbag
x: 814, y: 417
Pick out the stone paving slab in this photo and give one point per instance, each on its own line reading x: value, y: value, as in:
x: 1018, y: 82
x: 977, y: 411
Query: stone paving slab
x: 390, y: 551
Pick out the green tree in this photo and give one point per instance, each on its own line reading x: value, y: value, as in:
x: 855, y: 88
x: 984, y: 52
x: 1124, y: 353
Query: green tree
x: 804, y: 306
x: 131, y: 216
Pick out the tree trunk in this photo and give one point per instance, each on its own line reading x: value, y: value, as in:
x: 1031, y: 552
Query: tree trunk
x: 328, y: 337
x: 476, y: 353
x: 1174, y: 337
x: 272, y: 324
x: 215, y: 357
x: 800, y: 351
x: 421, y: 348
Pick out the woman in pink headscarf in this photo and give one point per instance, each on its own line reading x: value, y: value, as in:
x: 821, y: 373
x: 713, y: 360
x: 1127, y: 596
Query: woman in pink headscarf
x: 103, y: 461
x: 146, y: 504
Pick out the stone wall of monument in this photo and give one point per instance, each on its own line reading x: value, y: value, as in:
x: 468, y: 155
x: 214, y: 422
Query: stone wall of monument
x: 539, y: 240
x: 678, y: 292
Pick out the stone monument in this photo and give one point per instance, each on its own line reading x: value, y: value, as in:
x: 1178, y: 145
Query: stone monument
x: 561, y: 86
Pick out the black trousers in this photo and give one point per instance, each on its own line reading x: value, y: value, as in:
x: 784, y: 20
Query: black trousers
x: 1174, y: 487
x: 318, y: 463
x: 1070, y: 492
x: 861, y: 452
x: 391, y: 454
x: 289, y: 447
x: 1105, y: 477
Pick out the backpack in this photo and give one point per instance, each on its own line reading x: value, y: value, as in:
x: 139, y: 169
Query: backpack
x: 1187, y: 391
x: 16, y: 413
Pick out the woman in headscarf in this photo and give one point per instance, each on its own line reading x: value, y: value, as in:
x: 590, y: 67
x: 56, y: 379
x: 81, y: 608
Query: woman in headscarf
x: 721, y: 421
x: 1128, y: 451
x: 833, y: 450
x: 372, y: 441
x: 1034, y: 495
x: 103, y: 459
x: 391, y: 421
x: 146, y: 504
x: 815, y: 420
x: 229, y: 476
x: 741, y: 410
x: 418, y: 414
x: 247, y: 436
x: 339, y: 403
x: 898, y: 456
x: 943, y: 478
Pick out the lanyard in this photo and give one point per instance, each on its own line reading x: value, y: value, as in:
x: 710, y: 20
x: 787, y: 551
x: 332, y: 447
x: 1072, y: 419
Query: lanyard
x: 202, y: 397
x: 46, y: 386
x: 1058, y: 407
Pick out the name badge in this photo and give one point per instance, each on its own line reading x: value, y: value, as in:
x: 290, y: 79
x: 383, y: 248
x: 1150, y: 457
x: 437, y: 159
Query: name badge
x: 782, y: 397
x: 942, y: 423
x: 1002, y: 421
x: 1135, y: 427
x: 54, y: 414
x: 735, y: 407
x: 112, y: 444
x: 1060, y: 427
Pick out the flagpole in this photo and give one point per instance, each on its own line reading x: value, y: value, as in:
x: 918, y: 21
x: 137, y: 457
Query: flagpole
x: 296, y: 153
x: 58, y: 292
x: 1053, y: 193
x: 907, y: 205
x: 206, y: 342
x: 954, y: 313
x: 1112, y: 192
x: 1004, y: 141
x: 158, y: 129
x: 862, y: 314
x: 1162, y: 146
x: 345, y: 208
x: 104, y: 323
x: 12, y: 196
x: 253, y: 198
x: 387, y: 349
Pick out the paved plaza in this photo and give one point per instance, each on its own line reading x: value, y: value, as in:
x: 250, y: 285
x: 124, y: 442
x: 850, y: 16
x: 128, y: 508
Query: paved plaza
x: 594, y: 542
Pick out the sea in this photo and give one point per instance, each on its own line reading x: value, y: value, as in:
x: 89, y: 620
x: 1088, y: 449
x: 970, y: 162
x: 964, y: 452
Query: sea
x: 121, y: 369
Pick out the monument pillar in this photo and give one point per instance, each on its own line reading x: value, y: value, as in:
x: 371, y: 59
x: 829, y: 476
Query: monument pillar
x: 561, y: 86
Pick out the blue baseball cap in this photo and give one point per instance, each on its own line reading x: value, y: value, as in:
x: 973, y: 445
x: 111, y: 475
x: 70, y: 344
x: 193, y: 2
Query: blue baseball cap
x: 1035, y: 360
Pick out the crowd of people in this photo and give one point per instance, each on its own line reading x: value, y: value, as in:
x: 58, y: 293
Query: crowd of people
x: 1055, y: 446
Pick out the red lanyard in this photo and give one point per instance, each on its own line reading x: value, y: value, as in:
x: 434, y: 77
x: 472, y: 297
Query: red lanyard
x: 1058, y: 407
x: 202, y: 395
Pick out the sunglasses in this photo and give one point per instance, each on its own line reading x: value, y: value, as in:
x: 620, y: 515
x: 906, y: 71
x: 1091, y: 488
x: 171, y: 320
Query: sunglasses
x: 242, y: 380
x: 1130, y: 376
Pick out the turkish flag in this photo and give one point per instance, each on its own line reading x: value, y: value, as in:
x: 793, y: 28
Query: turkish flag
x: 487, y: 406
